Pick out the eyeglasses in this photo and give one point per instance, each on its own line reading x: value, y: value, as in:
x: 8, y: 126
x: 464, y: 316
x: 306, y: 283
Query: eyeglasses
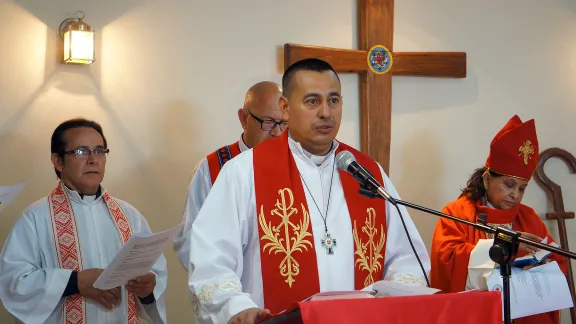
x: 84, y: 152
x: 269, y: 124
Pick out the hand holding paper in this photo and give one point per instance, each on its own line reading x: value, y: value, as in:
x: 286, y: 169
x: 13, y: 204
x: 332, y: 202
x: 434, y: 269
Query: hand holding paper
x: 107, y: 298
x: 142, y: 286
x: 529, y: 248
x: 134, y: 260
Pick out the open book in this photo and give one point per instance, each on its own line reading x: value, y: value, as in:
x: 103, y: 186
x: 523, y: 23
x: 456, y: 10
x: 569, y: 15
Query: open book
x: 383, y: 288
x: 537, y: 257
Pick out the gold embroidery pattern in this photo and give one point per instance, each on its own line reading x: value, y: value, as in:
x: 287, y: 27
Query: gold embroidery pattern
x: 195, y: 304
x: 206, y: 293
x: 228, y: 286
x: 408, y: 279
x: 207, y: 290
x: 280, y: 240
x: 527, y: 150
x: 369, y: 262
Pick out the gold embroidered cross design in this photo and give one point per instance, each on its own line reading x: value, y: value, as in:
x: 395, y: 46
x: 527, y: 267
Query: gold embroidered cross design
x: 280, y: 238
x: 527, y: 150
x: 369, y: 262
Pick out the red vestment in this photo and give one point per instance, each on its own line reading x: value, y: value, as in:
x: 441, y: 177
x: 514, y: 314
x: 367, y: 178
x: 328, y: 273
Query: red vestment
x: 453, y: 242
x: 287, y: 245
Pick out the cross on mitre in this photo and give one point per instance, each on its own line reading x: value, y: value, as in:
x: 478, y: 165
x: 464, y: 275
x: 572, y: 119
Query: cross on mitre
x: 527, y: 149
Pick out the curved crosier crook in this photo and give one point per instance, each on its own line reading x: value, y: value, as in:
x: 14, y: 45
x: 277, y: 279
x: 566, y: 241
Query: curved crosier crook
x: 552, y: 187
x: 559, y: 214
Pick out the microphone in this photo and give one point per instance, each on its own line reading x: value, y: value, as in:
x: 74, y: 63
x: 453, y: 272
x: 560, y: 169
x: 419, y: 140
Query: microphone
x: 346, y: 161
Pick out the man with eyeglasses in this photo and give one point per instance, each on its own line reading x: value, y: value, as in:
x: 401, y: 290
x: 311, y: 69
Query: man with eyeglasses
x: 261, y: 119
x: 61, y: 244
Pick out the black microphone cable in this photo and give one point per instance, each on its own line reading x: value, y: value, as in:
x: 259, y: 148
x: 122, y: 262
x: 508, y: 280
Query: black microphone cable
x: 412, y: 244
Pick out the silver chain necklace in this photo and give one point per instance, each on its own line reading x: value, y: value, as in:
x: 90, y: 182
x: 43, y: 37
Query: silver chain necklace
x: 328, y: 242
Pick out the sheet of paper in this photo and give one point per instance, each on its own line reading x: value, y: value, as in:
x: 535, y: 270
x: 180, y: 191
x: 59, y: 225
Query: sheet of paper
x: 8, y: 193
x: 386, y: 288
x: 383, y: 288
x: 538, y: 290
x: 135, y: 259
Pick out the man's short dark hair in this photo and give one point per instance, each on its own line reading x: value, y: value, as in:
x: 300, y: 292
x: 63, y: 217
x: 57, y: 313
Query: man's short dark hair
x: 58, y: 144
x: 310, y: 64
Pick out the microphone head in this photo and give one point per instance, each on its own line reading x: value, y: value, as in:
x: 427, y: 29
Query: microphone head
x: 343, y: 160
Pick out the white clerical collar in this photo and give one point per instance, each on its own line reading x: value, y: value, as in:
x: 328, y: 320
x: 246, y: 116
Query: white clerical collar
x: 76, y: 196
x: 242, y: 144
x: 318, y: 160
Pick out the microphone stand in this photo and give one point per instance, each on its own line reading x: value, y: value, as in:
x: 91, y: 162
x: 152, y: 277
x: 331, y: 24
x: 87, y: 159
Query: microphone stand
x: 503, y: 251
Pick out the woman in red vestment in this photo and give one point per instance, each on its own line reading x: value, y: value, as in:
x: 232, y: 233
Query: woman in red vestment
x: 459, y: 253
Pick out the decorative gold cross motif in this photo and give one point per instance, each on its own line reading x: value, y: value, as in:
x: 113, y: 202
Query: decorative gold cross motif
x: 369, y: 261
x: 281, y: 243
x: 527, y: 150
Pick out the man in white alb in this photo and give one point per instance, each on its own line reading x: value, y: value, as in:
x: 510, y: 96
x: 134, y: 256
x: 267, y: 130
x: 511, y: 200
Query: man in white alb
x: 261, y: 119
x: 61, y: 243
x: 283, y: 223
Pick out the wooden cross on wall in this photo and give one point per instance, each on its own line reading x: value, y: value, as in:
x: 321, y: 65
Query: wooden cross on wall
x: 376, y: 27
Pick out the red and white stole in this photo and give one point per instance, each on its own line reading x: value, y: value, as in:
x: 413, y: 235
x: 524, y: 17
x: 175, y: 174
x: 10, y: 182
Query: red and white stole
x: 69, y: 253
x: 288, y: 256
x: 217, y: 159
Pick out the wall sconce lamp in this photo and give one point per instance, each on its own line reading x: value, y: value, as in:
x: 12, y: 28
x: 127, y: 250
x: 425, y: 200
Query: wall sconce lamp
x: 78, y: 39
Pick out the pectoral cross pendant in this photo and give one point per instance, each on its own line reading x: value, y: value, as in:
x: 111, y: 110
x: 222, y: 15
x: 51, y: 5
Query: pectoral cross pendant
x: 329, y: 243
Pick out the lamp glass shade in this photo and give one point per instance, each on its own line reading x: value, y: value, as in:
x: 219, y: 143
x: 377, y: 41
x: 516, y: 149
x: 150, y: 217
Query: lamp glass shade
x: 79, y: 46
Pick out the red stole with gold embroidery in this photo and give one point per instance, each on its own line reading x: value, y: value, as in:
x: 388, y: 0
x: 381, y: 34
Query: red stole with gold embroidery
x: 69, y: 253
x: 287, y: 245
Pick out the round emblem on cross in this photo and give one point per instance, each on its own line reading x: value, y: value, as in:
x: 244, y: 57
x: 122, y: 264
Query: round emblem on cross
x: 379, y: 59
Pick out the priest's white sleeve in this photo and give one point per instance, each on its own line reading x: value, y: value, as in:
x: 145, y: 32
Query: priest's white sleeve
x: 198, y: 190
x: 28, y: 290
x: 480, y: 266
x: 400, y: 264
x: 218, y: 237
x: 155, y: 312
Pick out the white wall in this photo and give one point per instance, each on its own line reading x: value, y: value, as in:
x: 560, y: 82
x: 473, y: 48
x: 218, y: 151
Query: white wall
x: 170, y: 76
